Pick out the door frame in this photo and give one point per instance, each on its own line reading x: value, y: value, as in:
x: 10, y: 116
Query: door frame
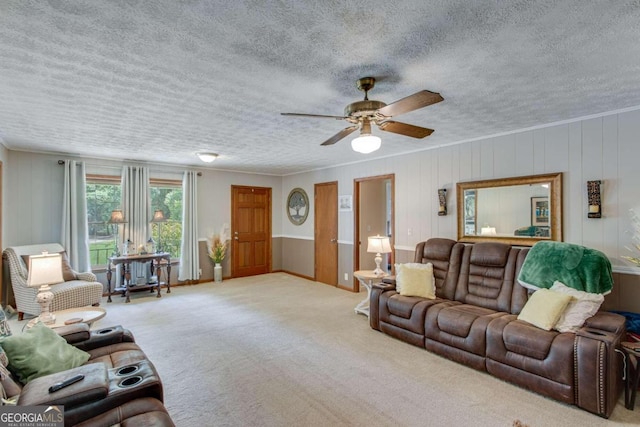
x: 356, y: 221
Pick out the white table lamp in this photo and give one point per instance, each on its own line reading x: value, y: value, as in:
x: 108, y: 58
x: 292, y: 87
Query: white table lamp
x: 45, y: 270
x: 488, y: 231
x: 378, y: 245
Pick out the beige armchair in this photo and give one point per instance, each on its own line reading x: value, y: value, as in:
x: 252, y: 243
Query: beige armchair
x: 81, y: 292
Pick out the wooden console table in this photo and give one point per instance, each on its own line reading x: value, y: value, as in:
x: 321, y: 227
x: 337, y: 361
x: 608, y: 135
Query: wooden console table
x: 126, y: 262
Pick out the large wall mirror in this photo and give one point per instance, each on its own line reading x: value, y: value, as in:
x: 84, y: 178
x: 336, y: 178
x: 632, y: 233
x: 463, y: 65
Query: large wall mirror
x: 518, y: 211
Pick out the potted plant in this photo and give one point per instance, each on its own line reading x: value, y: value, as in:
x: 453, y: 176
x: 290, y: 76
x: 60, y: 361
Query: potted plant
x: 217, y: 251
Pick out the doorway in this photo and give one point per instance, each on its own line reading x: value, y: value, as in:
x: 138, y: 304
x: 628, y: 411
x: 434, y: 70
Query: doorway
x: 374, y: 215
x: 250, y: 230
x: 326, y: 233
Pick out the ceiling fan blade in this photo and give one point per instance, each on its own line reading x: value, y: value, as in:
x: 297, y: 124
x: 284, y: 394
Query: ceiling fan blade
x: 314, y: 115
x: 405, y: 129
x: 410, y: 103
x: 338, y: 136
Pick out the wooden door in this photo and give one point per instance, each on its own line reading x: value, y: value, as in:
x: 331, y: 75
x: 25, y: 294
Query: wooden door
x: 250, y: 231
x: 326, y: 233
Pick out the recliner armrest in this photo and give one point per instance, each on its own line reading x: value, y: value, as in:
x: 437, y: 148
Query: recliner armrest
x: 384, y: 286
x: 390, y: 280
x: 74, y: 333
x: 94, y: 386
x: 105, y: 336
x: 610, y: 322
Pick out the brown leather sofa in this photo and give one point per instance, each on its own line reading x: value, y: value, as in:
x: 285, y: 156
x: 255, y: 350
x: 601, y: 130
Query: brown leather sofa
x: 473, y: 321
x: 120, y: 385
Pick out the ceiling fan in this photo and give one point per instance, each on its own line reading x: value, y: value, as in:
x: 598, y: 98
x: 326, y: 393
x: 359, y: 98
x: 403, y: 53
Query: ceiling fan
x: 362, y: 113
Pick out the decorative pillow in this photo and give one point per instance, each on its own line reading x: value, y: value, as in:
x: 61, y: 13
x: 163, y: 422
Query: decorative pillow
x: 582, y: 306
x: 544, y: 307
x: 67, y: 272
x: 416, y: 280
x: 40, y: 351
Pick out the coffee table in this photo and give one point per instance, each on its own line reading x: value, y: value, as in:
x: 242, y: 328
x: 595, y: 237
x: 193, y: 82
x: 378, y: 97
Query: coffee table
x: 87, y: 314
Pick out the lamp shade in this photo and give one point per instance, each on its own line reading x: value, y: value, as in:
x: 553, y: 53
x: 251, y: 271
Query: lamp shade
x: 379, y: 245
x: 366, y: 143
x: 488, y: 231
x: 158, y: 216
x: 44, y: 269
x: 117, y: 217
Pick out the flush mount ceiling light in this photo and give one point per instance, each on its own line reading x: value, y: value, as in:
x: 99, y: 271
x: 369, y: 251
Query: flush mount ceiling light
x: 207, y: 157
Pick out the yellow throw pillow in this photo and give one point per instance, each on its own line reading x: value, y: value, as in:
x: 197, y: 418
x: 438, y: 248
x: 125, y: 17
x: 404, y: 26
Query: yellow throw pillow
x: 416, y: 280
x: 544, y: 308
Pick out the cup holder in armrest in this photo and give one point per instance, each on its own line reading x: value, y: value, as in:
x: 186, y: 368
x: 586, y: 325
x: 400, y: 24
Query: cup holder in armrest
x: 131, y: 381
x: 127, y: 370
x: 104, y: 331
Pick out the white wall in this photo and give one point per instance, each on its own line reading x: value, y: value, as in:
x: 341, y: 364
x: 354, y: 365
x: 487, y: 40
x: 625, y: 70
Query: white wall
x: 605, y: 148
x: 33, y: 195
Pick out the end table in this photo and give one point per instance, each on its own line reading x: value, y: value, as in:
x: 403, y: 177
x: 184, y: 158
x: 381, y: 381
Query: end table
x: 367, y: 278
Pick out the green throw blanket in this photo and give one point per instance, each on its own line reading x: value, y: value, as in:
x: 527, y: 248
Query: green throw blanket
x: 578, y: 267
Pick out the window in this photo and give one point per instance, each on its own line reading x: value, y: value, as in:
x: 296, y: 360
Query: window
x: 166, y: 195
x: 103, y: 196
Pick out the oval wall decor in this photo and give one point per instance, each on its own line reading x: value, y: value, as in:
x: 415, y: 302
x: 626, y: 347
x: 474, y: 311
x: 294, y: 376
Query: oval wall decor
x: 297, y: 206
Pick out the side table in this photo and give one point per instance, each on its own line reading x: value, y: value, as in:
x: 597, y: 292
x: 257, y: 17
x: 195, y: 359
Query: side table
x: 367, y: 278
x: 87, y: 314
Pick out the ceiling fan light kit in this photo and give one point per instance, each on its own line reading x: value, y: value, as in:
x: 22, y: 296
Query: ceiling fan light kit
x: 366, y: 144
x: 207, y: 157
x: 362, y: 113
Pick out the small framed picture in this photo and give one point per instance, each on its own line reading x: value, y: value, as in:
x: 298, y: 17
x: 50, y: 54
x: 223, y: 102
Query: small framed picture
x: 540, y: 211
x: 345, y: 203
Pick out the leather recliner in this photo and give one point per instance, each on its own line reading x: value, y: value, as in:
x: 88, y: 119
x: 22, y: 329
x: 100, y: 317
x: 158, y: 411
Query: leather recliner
x: 120, y: 384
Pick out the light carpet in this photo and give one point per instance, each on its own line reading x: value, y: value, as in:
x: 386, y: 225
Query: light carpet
x: 277, y: 350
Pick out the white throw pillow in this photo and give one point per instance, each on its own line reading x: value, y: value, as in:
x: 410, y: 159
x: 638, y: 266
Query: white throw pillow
x: 415, y: 279
x: 582, y: 306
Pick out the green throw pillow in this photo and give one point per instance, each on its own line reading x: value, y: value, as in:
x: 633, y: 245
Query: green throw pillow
x: 40, y: 351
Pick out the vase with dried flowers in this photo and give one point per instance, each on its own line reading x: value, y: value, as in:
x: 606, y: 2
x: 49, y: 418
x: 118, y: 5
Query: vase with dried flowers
x: 217, y: 251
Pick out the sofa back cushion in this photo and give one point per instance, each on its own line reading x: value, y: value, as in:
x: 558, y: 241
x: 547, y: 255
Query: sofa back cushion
x: 445, y: 255
x: 487, y: 275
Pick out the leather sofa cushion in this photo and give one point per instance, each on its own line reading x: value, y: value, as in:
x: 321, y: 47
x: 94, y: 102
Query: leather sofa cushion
x: 117, y: 355
x: 402, y: 306
x: 544, y: 354
x: 490, y: 254
x: 458, y: 319
x: 520, y: 338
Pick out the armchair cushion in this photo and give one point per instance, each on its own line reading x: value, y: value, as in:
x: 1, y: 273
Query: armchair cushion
x: 40, y: 351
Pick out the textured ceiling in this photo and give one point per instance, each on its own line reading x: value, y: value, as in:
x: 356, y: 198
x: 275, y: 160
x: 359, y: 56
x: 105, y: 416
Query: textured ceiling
x: 160, y: 80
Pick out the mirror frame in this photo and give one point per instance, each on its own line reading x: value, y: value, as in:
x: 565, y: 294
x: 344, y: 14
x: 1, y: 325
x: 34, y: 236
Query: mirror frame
x: 555, y: 198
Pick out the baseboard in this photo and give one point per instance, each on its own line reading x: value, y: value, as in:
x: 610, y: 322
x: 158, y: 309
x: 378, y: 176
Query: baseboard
x: 302, y: 276
x: 344, y: 288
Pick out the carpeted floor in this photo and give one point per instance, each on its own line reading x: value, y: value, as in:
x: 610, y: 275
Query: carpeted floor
x: 277, y: 350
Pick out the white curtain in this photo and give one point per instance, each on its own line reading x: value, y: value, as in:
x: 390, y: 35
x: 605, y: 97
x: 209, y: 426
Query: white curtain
x: 189, y: 260
x: 136, y: 206
x: 75, y: 228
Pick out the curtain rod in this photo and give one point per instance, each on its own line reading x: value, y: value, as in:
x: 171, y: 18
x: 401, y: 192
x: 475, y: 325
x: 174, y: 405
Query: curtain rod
x: 62, y: 162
